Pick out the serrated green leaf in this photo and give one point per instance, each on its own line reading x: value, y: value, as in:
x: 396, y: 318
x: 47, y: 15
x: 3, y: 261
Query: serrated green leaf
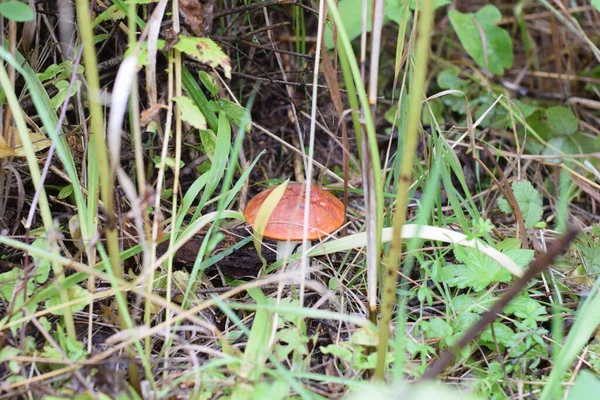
x: 8, y: 282
x: 508, y: 244
x: 437, y: 327
x: 206, y: 51
x: 16, y: 11
x: 562, y: 121
x: 190, y: 113
x: 529, y: 200
x: 477, y: 272
x: 523, y: 307
x: 464, y: 321
x: 503, y: 334
x: 521, y: 257
x: 497, y: 53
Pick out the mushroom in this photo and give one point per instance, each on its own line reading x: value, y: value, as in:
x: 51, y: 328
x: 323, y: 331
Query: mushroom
x: 286, y: 223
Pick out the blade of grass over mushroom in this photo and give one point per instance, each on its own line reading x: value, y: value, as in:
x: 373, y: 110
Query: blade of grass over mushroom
x: 414, y: 114
x: 263, y: 215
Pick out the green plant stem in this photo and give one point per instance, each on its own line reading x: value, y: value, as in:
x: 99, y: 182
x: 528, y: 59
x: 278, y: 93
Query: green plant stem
x: 352, y: 96
x: 404, y: 180
x: 97, y: 136
x: 373, y: 252
x: 97, y: 131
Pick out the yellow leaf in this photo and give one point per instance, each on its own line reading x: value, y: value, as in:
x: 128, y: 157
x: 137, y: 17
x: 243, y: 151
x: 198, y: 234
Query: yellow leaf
x: 39, y: 141
x: 5, y: 149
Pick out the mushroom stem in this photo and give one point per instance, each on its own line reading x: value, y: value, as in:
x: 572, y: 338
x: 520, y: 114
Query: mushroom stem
x: 285, y: 248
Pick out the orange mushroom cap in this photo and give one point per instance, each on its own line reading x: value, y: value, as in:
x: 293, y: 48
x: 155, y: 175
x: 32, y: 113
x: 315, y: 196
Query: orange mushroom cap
x: 287, y: 219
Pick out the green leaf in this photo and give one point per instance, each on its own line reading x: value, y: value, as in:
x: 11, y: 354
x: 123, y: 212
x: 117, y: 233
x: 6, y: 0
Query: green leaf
x: 521, y: 257
x: 464, y: 321
x: 197, y: 95
x: 529, y: 200
x: 294, y: 341
x: 560, y: 145
x: 562, y: 121
x: 587, y: 384
x: 276, y: 390
x: 209, y: 82
x: 75, y: 293
x: 436, y: 4
x: 448, y: 79
x: 50, y: 72
x: 42, y: 264
x: 596, y: 4
x: 190, y: 113
x: 351, y: 14
x: 496, y: 53
x: 524, y: 307
x: 339, y: 351
x: 477, y: 272
x: 8, y: 352
x: 206, y: 51
x: 61, y: 96
x: 169, y: 162
x: 65, y: 192
x: 504, y: 335
x: 508, y: 244
x: 9, y: 280
x: 237, y: 114
x: 209, y: 142
x: 221, y: 158
x: 16, y: 11
x: 112, y: 13
x: 363, y: 337
x: 437, y: 328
